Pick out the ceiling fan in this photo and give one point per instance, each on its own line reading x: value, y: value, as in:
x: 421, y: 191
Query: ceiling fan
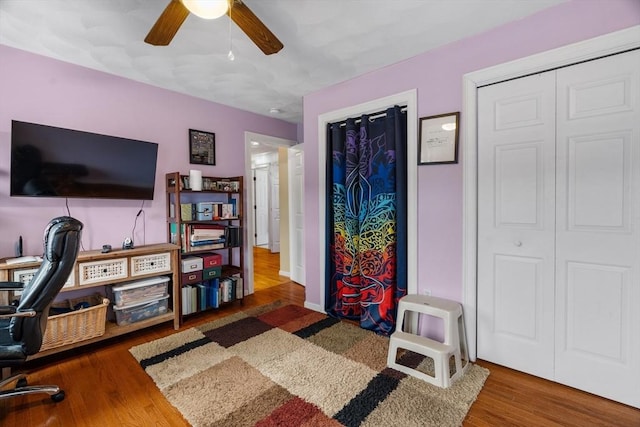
x: 177, y: 11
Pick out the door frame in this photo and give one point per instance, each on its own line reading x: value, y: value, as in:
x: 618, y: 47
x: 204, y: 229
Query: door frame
x: 608, y: 44
x: 296, y: 253
x: 264, y: 169
x: 249, y: 222
x: 274, y: 171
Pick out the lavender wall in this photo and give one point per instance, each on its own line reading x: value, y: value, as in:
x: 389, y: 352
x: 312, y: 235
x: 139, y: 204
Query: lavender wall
x: 437, y: 75
x: 42, y: 90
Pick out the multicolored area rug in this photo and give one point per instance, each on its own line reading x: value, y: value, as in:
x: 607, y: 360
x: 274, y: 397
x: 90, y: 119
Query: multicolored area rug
x: 290, y: 366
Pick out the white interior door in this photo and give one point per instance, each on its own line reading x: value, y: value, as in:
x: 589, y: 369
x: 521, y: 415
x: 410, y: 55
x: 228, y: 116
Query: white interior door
x: 274, y: 208
x: 516, y: 225
x: 261, y: 183
x: 558, y: 218
x: 598, y: 219
x: 296, y: 214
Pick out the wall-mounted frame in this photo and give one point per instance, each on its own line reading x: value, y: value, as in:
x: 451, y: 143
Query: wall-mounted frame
x: 438, y: 143
x: 202, y: 147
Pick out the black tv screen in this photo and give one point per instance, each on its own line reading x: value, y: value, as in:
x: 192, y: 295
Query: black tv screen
x: 48, y: 161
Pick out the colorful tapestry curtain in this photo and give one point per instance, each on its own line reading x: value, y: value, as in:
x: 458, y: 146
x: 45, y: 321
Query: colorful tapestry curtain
x: 366, y: 206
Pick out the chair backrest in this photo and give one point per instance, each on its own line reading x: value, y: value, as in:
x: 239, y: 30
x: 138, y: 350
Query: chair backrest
x: 61, y: 244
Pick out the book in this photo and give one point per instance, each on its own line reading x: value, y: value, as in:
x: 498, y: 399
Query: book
x: 214, y: 290
x: 198, y: 235
x: 239, y: 286
x: 206, y: 242
x: 202, y: 296
x: 187, y: 211
x: 194, y: 299
x: 211, y: 246
x: 234, y: 235
x: 186, y: 300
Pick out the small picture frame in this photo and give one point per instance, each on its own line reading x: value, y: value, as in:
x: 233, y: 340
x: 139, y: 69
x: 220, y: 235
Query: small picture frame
x: 202, y: 147
x: 206, y: 184
x: 438, y: 142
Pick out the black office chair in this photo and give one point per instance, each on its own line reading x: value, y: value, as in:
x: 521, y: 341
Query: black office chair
x: 22, y: 326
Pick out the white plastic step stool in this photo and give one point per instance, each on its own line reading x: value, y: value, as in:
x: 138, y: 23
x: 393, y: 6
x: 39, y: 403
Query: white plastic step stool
x: 454, y: 344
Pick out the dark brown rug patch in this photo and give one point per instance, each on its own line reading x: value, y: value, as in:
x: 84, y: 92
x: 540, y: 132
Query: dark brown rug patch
x: 233, y: 333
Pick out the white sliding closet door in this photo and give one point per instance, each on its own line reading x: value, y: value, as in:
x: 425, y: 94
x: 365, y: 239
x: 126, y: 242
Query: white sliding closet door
x: 558, y: 225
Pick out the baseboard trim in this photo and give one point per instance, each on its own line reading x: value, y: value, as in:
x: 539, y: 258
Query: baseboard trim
x: 314, y: 307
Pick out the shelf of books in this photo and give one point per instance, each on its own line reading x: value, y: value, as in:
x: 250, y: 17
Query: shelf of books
x: 207, y: 226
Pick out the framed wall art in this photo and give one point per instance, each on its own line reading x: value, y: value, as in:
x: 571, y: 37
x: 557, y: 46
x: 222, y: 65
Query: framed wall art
x: 438, y: 142
x: 202, y: 147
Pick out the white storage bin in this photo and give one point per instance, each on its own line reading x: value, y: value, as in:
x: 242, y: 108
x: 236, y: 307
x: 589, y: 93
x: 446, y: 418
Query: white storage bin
x: 140, y: 311
x: 101, y: 271
x: 140, y: 290
x: 192, y: 263
x: 149, y: 264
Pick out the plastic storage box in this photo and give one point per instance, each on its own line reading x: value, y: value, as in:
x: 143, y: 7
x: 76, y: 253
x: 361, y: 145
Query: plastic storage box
x: 140, y: 311
x: 140, y: 290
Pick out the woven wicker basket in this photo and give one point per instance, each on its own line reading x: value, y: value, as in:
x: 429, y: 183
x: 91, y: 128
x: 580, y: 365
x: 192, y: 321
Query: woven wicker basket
x: 76, y: 326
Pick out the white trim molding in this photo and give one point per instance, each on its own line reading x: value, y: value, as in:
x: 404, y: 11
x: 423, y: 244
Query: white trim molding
x: 597, y: 47
x: 249, y: 216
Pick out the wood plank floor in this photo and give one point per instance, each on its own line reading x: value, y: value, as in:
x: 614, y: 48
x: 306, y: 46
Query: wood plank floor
x: 105, y: 386
x: 266, y: 269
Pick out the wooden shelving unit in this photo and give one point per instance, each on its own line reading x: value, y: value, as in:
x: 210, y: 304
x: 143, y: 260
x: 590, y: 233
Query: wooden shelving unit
x: 215, y: 190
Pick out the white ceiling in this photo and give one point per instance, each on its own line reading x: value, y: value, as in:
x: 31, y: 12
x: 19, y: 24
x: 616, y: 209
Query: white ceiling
x: 325, y: 42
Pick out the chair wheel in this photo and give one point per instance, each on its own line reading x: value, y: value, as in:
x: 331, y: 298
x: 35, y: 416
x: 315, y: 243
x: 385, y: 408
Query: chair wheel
x: 58, y: 397
x: 22, y: 382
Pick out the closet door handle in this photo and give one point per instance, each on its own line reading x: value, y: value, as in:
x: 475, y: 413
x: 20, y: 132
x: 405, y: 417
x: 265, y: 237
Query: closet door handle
x: 518, y: 243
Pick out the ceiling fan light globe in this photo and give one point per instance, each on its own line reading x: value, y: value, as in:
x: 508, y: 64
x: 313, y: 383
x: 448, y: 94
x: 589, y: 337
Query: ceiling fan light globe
x: 207, y: 9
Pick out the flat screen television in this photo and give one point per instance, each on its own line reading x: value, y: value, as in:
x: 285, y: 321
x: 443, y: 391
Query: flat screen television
x: 48, y: 161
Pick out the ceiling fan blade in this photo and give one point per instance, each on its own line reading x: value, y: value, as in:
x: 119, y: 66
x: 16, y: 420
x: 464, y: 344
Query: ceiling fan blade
x: 167, y: 24
x: 254, y: 28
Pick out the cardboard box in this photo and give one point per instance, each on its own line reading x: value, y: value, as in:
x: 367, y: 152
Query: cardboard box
x: 192, y: 277
x: 211, y: 260
x: 204, y: 211
x: 210, y: 273
x: 192, y: 263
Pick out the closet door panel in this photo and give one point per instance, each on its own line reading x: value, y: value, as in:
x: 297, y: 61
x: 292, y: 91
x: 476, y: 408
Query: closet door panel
x: 516, y: 167
x: 598, y: 221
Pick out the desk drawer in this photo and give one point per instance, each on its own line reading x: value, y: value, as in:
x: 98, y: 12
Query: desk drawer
x: 25, y: 276
x: 102, y: 271
x: 147, y: 264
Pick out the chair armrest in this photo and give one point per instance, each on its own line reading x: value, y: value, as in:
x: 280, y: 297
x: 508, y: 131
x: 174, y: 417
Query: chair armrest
x: 9, y: 311
x: 11, y: 286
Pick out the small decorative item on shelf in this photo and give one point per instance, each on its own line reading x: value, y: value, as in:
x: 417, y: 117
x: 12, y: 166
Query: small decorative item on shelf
x: 224, y: 186
x: 195, y: 180
x: 206, y: 184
